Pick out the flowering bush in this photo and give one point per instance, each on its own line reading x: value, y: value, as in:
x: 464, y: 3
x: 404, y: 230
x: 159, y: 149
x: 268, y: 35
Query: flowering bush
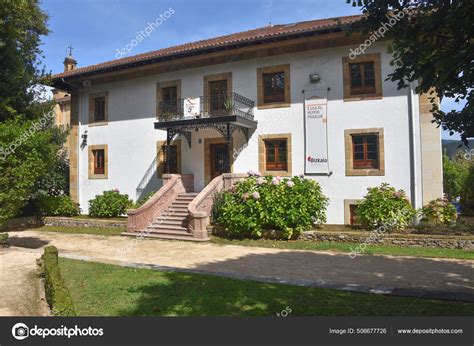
x: 290, y: 205
x: 439, y: 212
x: 384, y: 206
x: 110, y: 204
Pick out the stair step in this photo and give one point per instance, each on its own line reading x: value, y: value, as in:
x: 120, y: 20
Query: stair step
x: 171, y: 223
x: 168, y: 227
x: 176, y: 202
x: 189, y: 194
x: 166, y: 236
x: 170, y: 232
x: 176, y: 217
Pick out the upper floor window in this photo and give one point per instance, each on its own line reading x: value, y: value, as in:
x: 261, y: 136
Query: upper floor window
x: 273, y: 83
x: 167, y: 97
x: 98, y: 108
x: 273, y: 87
x: 362, y: 77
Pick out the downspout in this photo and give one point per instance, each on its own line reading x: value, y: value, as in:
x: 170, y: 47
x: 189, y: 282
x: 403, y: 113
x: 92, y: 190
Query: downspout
x: 412, y: 138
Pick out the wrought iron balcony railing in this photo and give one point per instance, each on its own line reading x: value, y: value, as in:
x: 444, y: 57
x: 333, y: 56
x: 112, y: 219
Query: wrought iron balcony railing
x: 216, y: 105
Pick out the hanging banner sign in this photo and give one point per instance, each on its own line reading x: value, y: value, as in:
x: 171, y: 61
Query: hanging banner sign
x: 316, y: 148
x: 192, y: 107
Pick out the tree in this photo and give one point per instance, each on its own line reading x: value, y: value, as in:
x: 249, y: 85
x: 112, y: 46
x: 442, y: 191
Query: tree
x: 29, y: 141
x: 467, y: 193
x: 432, y: 43
x: 454, y: 175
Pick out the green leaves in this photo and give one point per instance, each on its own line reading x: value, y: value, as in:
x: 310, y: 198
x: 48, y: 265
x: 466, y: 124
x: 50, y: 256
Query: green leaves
x: 288, y: 205
x: 384, y: 206
x: 110, y: 204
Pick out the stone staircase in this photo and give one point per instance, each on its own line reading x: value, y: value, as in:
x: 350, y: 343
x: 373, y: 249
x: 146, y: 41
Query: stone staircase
x: 173, y: 222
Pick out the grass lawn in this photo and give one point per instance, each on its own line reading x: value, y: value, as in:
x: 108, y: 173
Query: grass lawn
x: 83, y: 230
x: 347, y: 247
x: 107, y: 290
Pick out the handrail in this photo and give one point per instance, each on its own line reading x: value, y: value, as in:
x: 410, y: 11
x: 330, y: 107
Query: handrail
x: 140, y: 218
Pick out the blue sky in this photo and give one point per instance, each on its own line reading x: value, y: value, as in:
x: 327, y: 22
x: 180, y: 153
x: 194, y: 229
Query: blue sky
x: 96, y: 29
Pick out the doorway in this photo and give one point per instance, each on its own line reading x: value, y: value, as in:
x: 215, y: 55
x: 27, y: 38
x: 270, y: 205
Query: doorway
x: 220, y: 160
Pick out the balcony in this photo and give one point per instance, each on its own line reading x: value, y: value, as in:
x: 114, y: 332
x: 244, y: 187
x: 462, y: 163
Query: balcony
x: 222, y: 112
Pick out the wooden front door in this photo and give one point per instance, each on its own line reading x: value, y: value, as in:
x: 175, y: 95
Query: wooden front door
x: 217, y: 96
x: 220, y: 162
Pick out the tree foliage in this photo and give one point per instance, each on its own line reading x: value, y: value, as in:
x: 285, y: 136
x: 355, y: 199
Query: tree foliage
x: 454, y: 175
x: 29, y: 141
x: 434, y: 45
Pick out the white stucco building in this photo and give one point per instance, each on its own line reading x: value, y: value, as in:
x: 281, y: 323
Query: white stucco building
x: 237, y: 103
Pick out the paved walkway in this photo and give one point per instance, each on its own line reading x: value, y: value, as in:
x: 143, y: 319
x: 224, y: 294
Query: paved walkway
x: 407, y: 276
x: 21, y: 291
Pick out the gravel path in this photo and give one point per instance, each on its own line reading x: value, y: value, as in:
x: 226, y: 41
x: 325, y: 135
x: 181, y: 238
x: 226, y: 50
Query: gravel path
x: 21, y: 289
x: 444, y: 278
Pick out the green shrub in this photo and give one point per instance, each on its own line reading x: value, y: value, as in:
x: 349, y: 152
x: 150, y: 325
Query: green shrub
x: 439, y: 212
x: 3, y: 239
x: 57, y: 293
x: 467, y: 193
x: 270, y: 203
x: 387, y: 207
x: 57, y: 206
x: 145, y: 198
x: 110, y: 204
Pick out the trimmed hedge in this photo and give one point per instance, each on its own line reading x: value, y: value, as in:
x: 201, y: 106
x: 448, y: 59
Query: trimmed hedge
x: 3, y: 239
x: 57, y: 293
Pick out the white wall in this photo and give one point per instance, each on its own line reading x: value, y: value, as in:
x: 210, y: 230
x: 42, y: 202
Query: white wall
x: 131, y: 137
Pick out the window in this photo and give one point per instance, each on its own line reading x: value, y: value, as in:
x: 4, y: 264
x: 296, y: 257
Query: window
x: 173, y: 153
x: 98, y: 162
x: 170, y: 158
x: 273, y: 83
x: 98, y: 108
x: 168, y: 95
x: 362, y: 77
x: 276, y: 155
x: 354, y: 220
x: 365, y: 151
x: 216, y: 88
x: 273, y: 87
x: 350, y: 212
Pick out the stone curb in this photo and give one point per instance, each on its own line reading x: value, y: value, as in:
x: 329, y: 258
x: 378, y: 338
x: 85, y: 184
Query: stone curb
x: 383, y: 290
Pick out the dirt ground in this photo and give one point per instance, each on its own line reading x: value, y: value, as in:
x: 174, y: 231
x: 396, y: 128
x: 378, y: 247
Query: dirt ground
x: 21, y: 289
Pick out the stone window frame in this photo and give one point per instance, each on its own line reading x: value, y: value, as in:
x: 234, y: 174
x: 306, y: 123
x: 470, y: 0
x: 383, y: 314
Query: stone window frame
x: 92, y: 175
x: 262, y: 154
x: 285, y: 68
x: 347, y: 210
x: 159, y: 92
x: 92, y: 97
x: 160, y: 157
x: 349, y: 155
x: 346, y: 77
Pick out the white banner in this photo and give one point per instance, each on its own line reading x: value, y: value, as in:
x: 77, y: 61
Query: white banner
x: 316, y: 148
x: 192, y: 107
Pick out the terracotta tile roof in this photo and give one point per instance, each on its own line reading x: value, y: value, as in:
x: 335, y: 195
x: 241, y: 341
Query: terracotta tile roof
x: 262, y: 33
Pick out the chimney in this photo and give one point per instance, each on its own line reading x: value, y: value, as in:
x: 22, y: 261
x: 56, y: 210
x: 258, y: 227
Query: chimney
x: 69, y: 62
